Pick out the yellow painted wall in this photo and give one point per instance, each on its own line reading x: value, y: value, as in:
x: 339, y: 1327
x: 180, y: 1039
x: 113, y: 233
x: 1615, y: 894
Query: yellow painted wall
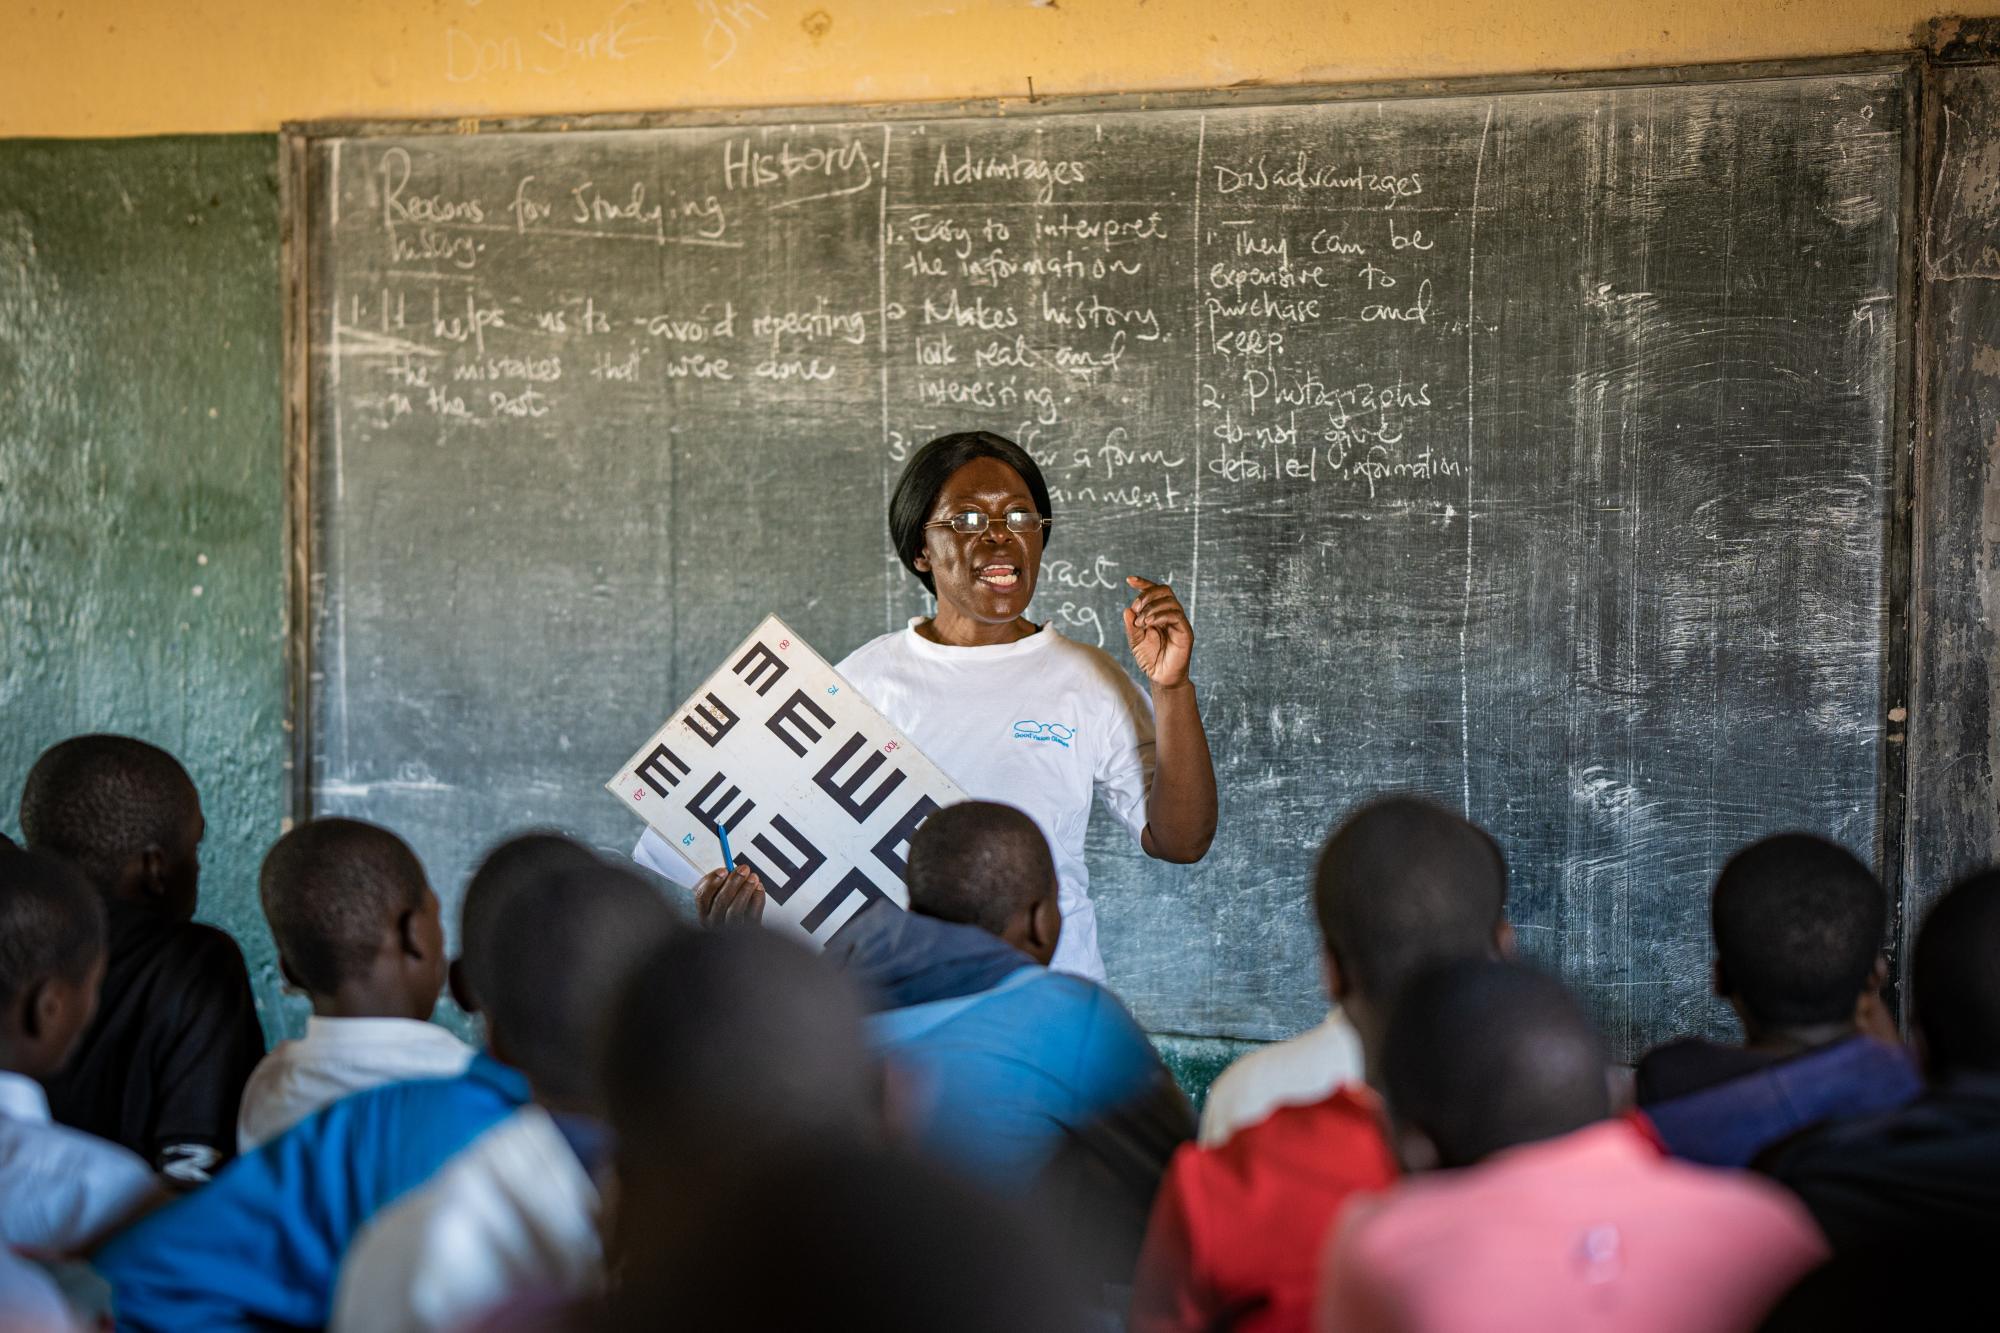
x: 119, y: 67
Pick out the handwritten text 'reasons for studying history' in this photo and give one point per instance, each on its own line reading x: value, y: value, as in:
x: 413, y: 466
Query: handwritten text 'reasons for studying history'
x: 819, y: 792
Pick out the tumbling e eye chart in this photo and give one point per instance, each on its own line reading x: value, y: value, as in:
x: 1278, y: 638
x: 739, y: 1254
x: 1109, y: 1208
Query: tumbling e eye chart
x: 819, y: 792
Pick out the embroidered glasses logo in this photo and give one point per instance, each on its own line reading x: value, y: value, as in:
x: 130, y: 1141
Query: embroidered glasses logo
x: 1045, y: 732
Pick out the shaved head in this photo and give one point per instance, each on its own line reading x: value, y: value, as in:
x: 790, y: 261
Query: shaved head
x: 1403, y: 884
x: 103, y: 802
x: 1482, y: 1055
x: 330, y: 890
x: 979, y: 863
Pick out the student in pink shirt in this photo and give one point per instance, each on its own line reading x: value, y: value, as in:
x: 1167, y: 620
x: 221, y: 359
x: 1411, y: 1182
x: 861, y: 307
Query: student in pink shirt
x: 1540, y: 1212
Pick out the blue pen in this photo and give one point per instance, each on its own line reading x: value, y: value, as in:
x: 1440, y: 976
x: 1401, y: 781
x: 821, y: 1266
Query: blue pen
x: 728, y: 861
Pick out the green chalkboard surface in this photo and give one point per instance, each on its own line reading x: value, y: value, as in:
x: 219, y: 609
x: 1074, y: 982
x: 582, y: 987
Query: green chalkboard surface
x: 141, y: 479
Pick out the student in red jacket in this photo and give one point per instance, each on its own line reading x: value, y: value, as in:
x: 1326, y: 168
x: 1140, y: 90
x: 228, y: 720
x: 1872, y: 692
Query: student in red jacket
x: 1235, y: 1236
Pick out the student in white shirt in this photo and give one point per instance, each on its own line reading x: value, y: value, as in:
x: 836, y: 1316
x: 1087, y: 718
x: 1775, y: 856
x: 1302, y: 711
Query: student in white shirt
x: 1309, y: 1067
x: 1012, y: 711
x: 358, y: 930
x: 517, y: 1210
x: 60, y: 1189
x: 1296, y: 1072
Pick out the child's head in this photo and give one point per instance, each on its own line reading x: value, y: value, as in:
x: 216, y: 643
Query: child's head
x: 1402, y: 885
x: 524, y: 859
x: 1955, y: 984
x: 51, y: 960
x: 547, y: 960
x: 979, y: 863
x: 1483, y: 1055
x: 1798, y: 925
x: 355, y: 920
x: 123, y: 812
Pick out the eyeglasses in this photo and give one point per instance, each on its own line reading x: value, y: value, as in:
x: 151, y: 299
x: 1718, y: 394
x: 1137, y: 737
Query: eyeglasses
x: 975, y: 521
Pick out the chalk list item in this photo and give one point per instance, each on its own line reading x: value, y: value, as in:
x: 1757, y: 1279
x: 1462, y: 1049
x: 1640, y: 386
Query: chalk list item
x: 819, y: 792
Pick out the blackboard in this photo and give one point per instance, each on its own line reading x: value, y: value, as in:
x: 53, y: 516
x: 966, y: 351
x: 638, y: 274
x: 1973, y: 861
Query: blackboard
x: 142, y: 481
x: 1528, y: 447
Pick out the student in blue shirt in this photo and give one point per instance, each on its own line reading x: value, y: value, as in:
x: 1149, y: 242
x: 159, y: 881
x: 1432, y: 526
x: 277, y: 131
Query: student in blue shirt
x: 1037, y: 1084
x: 263, y: 1243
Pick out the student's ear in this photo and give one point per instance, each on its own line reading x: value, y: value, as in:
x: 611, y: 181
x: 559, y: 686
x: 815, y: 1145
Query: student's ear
x: 922, y: 562
x: 409, y: 935
x: 291, y: 977
x: 1503, y: 939
x: 461, y: 989
x: 1871, y: 1015
x: 154, y: 881
x: 1338, y: 986
x: 1045, y: 921
x: 1720, y: 980
x: 1878, y: 977
x: 1416, y: 1151
x: 41, y: 1009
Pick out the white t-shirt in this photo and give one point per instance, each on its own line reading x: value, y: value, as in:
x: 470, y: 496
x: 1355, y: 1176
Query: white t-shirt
x: 1297, y: 1072
x: 1041, y: 724
x: 61, y: 1189
x: 338, y: 1056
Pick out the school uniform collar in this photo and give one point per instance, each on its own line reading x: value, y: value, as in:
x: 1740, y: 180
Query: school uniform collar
x: 21, y: 1098
x: 324, y: 1031
x: 509, y: 1082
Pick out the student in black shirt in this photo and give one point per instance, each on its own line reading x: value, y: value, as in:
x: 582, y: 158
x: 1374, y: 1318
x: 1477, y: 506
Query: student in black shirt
x: 1915, y: 1180
x: 162, y: 1068
x: 1798, y: 924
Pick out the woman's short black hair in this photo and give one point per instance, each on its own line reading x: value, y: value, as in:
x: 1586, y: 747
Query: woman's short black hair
x: 928, y: 470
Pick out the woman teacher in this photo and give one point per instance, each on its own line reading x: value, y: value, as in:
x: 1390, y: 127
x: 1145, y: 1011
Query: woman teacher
x: 1012, y: 711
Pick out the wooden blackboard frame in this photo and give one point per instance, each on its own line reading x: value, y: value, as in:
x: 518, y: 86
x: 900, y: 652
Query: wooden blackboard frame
x: 1899, y: 650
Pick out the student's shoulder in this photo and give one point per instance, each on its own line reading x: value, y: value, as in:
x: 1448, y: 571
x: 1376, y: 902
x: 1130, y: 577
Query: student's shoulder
x: 1685, y: 1065
x: 69, y: 1156
x: 206, y: 947
x: 1343, y: 1127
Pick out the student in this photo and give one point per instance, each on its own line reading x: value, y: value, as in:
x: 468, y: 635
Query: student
x: 1294, y: 1072
x: 518, y: 1209
x: 358, y: 930
x: 1540, y: 1210
x: 60, y: 1189
x: 1235, y: 1235
x: 1908, y: 1184
x: 264, y: 1242
x: 847, y: 1237
x: 162, y: 1068
x: 736, y: 1027
x: 1029, y: 1081
x: 1798, y: 925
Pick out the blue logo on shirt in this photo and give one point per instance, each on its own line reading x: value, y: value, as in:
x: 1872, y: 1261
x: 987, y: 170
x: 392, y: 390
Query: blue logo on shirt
x: 1056, y: 732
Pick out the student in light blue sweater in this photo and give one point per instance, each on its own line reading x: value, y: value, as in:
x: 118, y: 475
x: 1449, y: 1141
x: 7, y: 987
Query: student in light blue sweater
x: 263, y: 1243
x: 1036, y: 1084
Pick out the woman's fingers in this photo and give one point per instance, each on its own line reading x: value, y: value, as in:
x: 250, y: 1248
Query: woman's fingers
x: 1157, y: 606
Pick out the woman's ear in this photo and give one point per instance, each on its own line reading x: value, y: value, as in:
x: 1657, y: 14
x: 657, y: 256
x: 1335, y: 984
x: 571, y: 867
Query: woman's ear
x: 922, y: 562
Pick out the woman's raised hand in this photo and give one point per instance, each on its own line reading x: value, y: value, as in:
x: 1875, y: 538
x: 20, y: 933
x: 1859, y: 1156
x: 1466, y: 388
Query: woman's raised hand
x: 1159, y: 633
